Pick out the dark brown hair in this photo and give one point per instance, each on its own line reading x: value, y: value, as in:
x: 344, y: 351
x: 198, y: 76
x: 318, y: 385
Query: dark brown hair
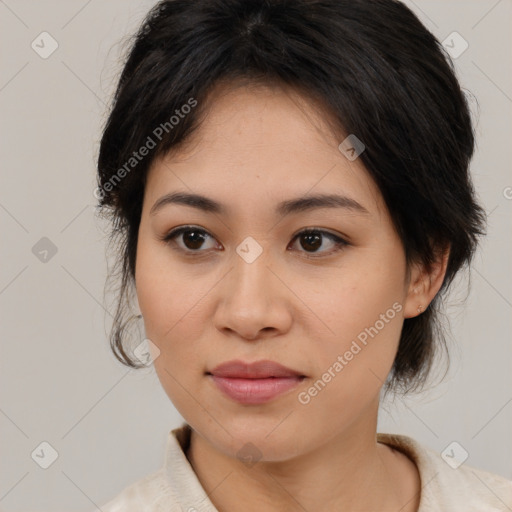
x: 373, y: 65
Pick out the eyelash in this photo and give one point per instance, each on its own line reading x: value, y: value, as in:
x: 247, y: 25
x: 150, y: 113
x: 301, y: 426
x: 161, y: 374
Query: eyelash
x: 340, y: 243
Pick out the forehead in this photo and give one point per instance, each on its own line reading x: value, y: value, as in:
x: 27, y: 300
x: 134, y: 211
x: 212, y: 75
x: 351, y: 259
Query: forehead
x: 252, y: 112
x: 263, y: 142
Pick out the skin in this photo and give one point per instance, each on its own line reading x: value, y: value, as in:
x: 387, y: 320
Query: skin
x: 256, y: 147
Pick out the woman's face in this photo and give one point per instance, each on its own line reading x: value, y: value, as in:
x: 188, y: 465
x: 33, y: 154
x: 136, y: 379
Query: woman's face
x: 244, y: 284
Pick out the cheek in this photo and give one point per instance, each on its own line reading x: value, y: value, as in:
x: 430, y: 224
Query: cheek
x: 364, y: 346
x: 169, y: 324
x: 167, y: 313
x: 366, y: 294
x: 160, y: 301
x: 174, y: 305
x: 363, y: 310
x: 351, y: 371
x: 159, y: 287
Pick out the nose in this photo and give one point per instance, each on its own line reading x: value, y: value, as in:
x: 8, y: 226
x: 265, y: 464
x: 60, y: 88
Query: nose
x: 254, y: 302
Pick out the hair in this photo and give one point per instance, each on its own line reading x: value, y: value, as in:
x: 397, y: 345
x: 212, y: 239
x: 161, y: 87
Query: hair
x: 377, y: 71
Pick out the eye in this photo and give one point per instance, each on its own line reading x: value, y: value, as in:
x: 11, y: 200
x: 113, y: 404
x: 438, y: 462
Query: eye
x: 312, y: 239
x: 192, y: 240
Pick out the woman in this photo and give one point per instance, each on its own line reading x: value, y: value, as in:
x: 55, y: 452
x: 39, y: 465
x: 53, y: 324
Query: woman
x: 289, y: 189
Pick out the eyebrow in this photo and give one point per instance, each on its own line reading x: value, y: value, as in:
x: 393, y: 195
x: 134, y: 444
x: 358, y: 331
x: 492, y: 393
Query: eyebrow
x: 301, y: 204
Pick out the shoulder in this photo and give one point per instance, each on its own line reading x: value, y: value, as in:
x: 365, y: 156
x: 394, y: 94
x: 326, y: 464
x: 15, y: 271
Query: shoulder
x: 149, y: 494
x: 173, y: 488
x: 448, y: 483
x: 477, y: 490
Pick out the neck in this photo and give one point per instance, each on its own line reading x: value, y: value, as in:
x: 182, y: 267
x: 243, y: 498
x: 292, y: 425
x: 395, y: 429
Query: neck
x: 349, y: 471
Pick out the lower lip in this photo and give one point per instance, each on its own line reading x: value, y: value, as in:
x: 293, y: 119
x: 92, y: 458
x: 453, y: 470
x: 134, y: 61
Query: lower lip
x: 255, y: 391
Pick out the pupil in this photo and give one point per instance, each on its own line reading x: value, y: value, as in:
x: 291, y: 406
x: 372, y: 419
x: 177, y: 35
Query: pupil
x: 197, y: 239
x: 312, y: 238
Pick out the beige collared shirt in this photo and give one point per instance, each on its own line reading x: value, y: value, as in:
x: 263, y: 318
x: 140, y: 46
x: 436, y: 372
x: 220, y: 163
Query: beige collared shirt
x: 176, y: 488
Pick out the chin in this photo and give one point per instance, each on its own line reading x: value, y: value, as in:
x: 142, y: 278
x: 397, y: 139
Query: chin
x: 259, y: 439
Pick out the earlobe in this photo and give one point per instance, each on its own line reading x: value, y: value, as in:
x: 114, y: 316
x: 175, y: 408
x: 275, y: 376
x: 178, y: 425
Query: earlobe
x: 424, y: 284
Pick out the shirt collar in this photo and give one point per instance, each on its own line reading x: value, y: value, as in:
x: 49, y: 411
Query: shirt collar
x: 184, y: 483
x: 180, y: 474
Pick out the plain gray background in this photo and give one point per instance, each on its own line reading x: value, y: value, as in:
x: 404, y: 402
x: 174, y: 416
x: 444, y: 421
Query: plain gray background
x: 59, y: 382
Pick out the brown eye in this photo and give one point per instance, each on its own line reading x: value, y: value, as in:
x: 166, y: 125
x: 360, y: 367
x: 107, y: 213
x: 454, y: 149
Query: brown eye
x: 192, y: 238
x: 312, y: 240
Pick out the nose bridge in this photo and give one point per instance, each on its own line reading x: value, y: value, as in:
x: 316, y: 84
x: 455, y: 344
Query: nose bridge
x: 250, y: 280
x: 250, y: 300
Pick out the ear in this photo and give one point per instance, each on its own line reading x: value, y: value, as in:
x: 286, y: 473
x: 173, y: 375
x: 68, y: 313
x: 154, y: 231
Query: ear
x: 424, y: 283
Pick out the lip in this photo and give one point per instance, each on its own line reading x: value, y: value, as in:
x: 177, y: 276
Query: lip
x: 263, y: 369
x: 254, y: 383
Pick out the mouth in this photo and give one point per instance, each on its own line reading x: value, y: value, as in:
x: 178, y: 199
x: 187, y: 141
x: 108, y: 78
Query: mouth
x: 254, y: 383
x: 263, y: 369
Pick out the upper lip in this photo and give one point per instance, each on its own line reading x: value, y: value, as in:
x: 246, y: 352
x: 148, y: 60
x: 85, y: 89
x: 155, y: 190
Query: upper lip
x: 257, y: 370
